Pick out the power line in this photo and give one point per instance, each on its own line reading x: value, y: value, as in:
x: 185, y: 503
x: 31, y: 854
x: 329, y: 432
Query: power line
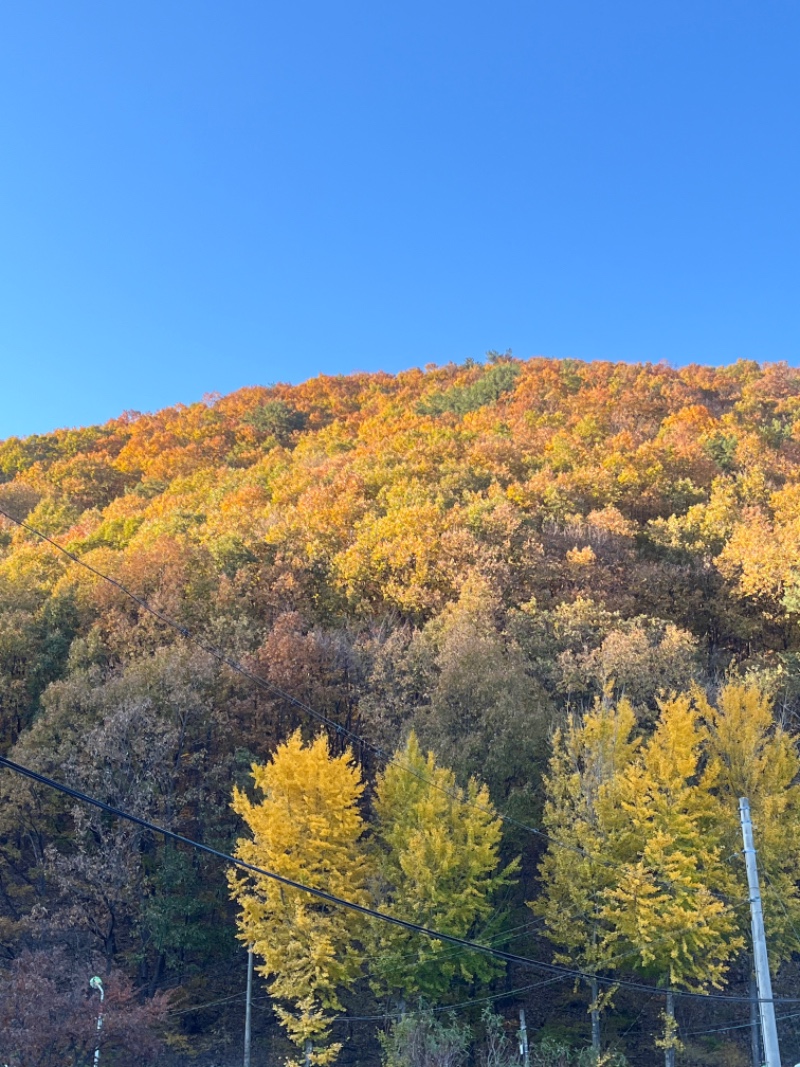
x: 739, y: 1026
x: 443, y: 1008
x: 372, y: 913
x: 209, y: 1004
x: 398, y: 959
x: 343, y: 731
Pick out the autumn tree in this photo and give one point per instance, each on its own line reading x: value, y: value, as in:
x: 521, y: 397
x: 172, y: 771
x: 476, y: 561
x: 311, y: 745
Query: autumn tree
x: 144, y: 738
x: 48, y: 1014
x: 484, y: 712
x: 438, y: 864
x: 754, y: 757
x: 578, y: 869
x: 668, y: 907
x: 307, y: 827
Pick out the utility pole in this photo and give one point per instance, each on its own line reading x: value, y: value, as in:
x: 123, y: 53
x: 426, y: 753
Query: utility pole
x: 247, y: 1010
x: 769, y: 1029
x: 523, y: 1039
x: 97, y: 983
x: 755, y: 1039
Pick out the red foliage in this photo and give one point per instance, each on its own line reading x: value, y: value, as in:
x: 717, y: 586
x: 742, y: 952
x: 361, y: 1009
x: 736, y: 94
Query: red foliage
x: 49, y: 1014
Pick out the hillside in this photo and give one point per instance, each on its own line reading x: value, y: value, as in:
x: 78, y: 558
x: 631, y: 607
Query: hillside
x: 471, y: 550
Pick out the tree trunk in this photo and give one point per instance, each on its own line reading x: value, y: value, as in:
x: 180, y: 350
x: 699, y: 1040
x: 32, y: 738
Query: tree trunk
x: 669, y: 1012
x: 595, y: 1016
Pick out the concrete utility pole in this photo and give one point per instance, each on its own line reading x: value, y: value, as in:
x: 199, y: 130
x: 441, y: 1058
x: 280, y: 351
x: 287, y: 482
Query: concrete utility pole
x: 523, y: 1039
x: 769, y: 1029
x: 247, y: 1010
x: 755, y: 1039
x: 97, y: 983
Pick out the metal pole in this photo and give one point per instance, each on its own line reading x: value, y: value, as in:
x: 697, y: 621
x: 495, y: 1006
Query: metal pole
x: 309, y: 1047
x: 96, y: 983
x: 769, y: 1029
x: 755, y: 1039
x: 247, y: 1011
x: 523, y: 1039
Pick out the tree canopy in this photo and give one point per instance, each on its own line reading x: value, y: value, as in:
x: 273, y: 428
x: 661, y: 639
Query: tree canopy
x: 510, y: 561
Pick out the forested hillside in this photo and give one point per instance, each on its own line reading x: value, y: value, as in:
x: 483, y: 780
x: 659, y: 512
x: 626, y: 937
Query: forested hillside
x: 500, y: 564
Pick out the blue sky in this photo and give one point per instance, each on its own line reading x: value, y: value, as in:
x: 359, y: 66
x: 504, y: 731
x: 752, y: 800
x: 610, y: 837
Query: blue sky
x: 196, y: 197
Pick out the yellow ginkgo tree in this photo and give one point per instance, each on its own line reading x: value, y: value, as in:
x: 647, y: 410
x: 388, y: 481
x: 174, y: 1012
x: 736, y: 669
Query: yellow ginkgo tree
x: 308, y: 827
x: 588, y: 754
x: 754, y: 757
x: 437, y: 863
x: 669, y: 909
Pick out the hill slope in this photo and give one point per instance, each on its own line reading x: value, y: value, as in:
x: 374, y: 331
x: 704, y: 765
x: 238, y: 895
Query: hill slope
x: 469, y: 549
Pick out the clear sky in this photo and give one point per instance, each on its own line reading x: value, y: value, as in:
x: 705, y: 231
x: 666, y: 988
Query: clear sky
x: 197, y: 196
